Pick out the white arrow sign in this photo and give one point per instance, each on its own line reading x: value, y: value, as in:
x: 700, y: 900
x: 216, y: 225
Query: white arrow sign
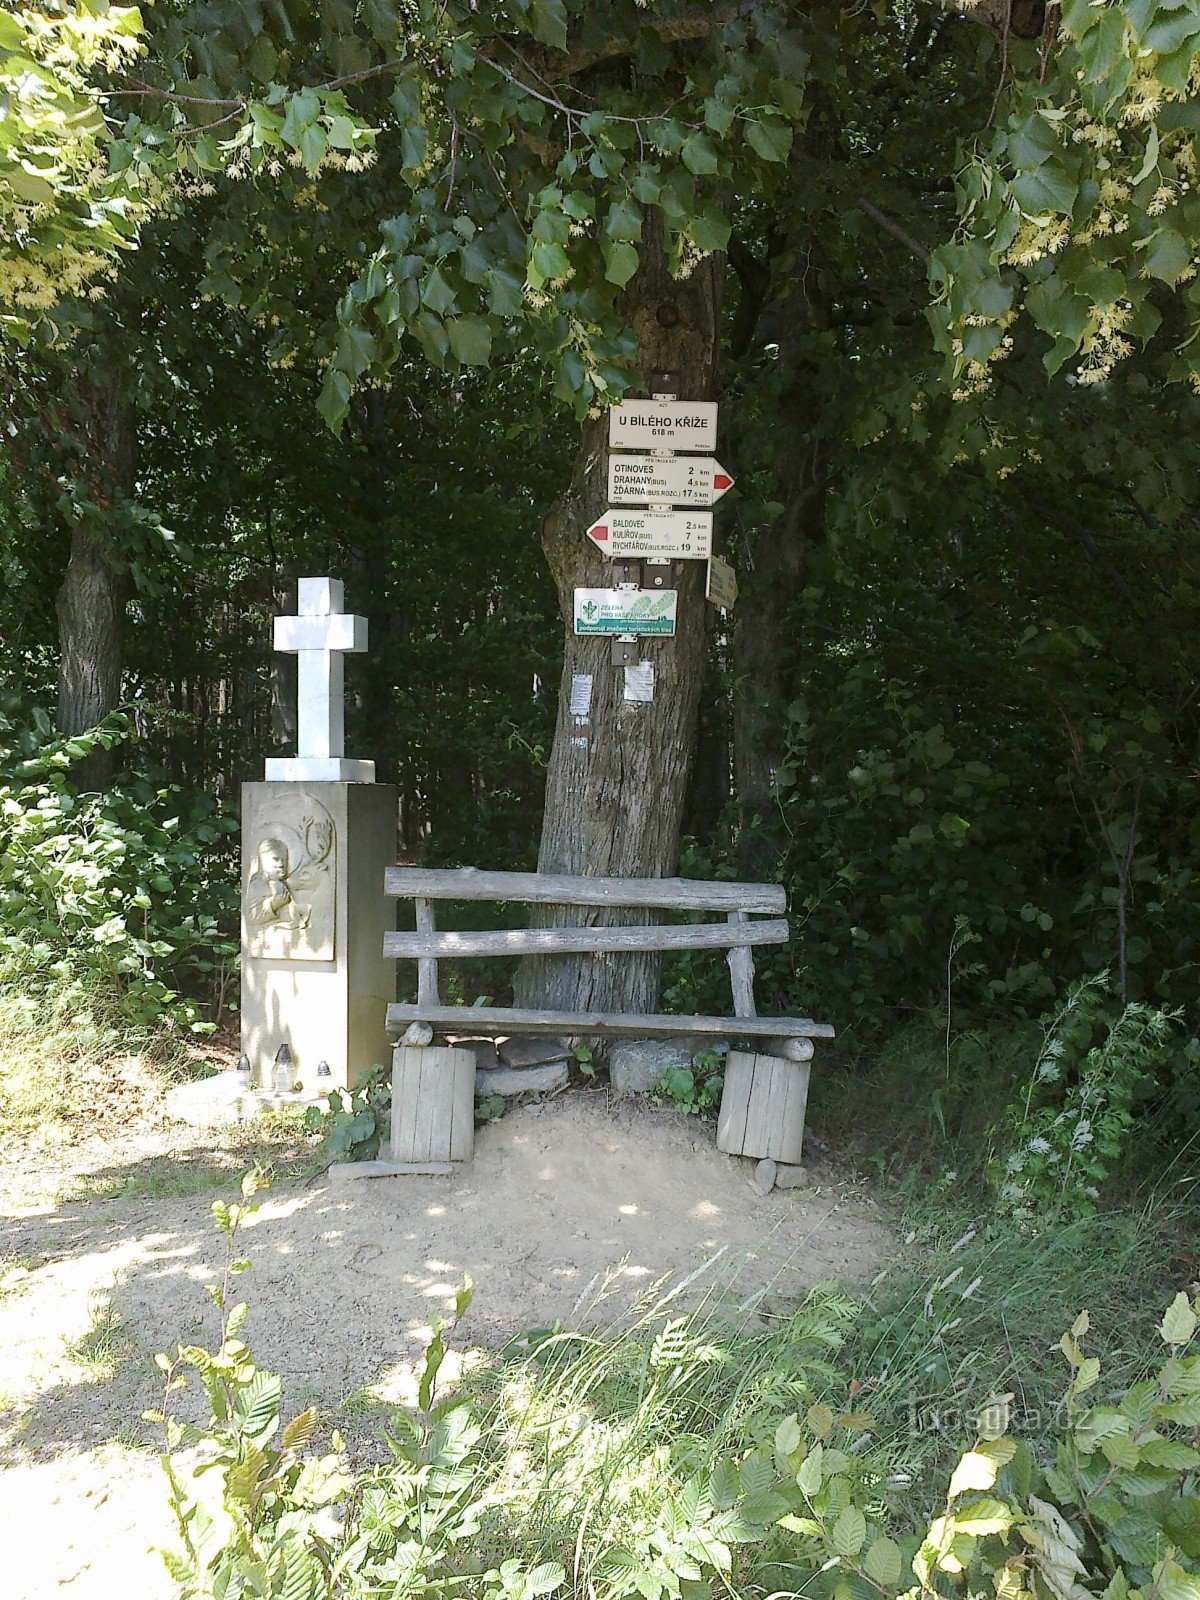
x: 653, y: 535
x: 675, y: 480
x: 663, y: 424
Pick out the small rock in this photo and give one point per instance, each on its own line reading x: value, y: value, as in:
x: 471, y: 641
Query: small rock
x: 521, y: 1080
x: 533, y: 1052
x: 792, y: 1178
x: 636, y: 1065
x: 764, y: 1174
x: 418, y: 1034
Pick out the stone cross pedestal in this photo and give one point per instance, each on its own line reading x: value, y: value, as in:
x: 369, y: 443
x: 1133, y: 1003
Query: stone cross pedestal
x: 317, y: 837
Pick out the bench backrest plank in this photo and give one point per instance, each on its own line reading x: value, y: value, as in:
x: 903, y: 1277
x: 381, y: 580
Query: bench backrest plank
x: 423, y: 945
x: 666, y: 894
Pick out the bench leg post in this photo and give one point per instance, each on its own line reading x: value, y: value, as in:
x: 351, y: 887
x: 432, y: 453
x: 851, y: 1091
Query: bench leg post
x: 433, y: 1104
x: 762, y: 1107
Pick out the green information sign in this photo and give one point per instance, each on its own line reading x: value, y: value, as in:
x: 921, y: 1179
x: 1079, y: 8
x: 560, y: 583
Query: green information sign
x: 617, y: 611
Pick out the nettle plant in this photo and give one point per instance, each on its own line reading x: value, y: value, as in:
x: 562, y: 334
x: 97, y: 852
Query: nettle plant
x: 1072, y: 1123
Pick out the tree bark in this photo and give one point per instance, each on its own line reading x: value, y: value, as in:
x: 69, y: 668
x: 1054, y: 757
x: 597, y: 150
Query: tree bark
x: 617, y: 780
x: 95, y: 589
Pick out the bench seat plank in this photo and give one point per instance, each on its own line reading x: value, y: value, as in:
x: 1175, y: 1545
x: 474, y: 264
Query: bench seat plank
x: 673, y: 894
x: 500, y: 1021
x: 575, y: 941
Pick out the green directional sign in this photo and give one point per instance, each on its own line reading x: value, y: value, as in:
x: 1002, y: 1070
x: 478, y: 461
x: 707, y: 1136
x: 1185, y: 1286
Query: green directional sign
x: 617, y: 611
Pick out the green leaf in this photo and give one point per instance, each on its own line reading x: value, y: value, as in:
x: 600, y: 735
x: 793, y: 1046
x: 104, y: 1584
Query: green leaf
x: 698, y: 155
x: 974, y: 1471
x: 710, y: 229
x: 819, y: 1419
x: 312, y: 146
x: 28, y: 186
x: 504, y: 292
x: 624, y: 221
x: 550, y: 23
x: 984, y: 1516
x: 355, y: 350
x: 808, y: 1479
x: 1050, y: 188
x: 884, y: 1563
x: 1168, y: 256
x: 548, y: 263
x: 772, y: 139
x: 470, y: 340
x: 436, y: 293
x: 849, y: 1531
x: 620, y: 262
x: 431, y: 335
x: 1179, y: 1321
x: 414, y: 140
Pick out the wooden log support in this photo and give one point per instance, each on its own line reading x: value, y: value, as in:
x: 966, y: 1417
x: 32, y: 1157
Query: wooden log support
x: 427, y: 970
x: 433, y: 1104
x: 763, y: 1107
x: 737, y: 932
x: 741, y: 971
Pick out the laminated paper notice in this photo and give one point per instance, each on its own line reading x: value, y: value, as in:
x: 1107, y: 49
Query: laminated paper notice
x: 581, y: 694
x: 639, y: 682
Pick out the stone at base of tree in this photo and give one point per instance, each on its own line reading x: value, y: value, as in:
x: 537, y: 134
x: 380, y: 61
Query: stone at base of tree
x: 792, y: 1177
x: 764, y: 1175
x: 521, y: 1080
x: 391, y: 1169
x: 636, y: 1065
x: 532, y: 1052
x: 221, y: 1102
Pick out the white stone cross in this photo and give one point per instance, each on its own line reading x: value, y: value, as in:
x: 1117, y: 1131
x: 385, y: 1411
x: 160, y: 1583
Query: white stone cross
x: 320, y: 637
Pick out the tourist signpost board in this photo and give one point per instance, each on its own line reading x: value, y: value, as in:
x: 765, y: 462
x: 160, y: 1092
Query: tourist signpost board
x: 669, y: 480
x: 663, y: 425
x: 653, y: 535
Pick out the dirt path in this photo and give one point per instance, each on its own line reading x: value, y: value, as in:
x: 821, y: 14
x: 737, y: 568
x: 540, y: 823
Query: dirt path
x: 570, y: 1211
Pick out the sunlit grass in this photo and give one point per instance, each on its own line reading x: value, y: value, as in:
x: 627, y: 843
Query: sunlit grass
x: 105, y: 1345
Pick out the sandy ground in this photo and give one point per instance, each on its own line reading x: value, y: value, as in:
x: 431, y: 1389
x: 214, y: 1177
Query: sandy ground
x: 570, y: 1212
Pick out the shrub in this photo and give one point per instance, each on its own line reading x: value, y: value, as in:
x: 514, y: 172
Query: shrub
x: 131, y: 890
x: 1072, y: 1122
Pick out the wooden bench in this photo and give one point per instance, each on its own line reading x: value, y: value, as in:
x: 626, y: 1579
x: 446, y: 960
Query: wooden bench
x: 762, y: 1111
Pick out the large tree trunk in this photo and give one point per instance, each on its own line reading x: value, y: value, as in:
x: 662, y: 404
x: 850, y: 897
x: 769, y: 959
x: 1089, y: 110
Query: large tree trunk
x: 94, y: 592
x: 617, y: 780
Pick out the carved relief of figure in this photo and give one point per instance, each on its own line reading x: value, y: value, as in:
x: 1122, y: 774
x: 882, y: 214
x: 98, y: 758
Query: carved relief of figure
x: 270, y: 902
x: 289, y: 894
